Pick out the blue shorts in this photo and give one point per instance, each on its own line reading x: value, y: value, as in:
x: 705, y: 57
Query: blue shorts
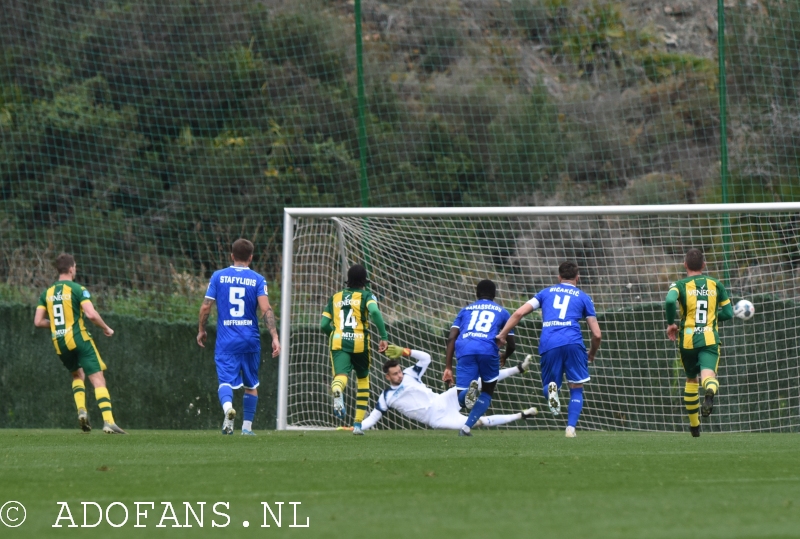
x: 470, y: 368
x: 570, y: 359
x: 237, y: 370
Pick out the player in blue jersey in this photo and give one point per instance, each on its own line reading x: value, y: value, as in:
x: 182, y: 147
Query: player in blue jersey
x: 472, y: 340
x: 239, y: 293
x: 561, y: 344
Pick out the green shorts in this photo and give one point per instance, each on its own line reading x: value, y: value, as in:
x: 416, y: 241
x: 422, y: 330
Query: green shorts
x: 698, y: 359
x: 85, y: 357
x: 346, y: 362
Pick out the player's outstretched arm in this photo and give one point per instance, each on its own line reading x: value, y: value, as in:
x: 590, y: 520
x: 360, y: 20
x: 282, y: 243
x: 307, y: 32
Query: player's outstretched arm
x: 447, y: 375
x: 525, y: 309
x: 670, y: 310
x: 40, y: 319
x: 511, y: 345
x: 594, y: 328
x: 269, y: 318
x: 205, y: 311
x: 377, y: 319
x: 372, y: 419
x: 726, y: 312
x: 95, y: 318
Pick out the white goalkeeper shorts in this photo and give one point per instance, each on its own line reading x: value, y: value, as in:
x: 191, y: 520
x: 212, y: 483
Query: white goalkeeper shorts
x: 444, y: 412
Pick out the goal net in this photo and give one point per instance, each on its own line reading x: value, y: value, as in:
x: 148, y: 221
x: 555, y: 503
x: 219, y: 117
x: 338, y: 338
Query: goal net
x: 424, y: 265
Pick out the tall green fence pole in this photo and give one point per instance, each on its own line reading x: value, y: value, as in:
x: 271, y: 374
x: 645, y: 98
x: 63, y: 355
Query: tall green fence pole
x: 362, y: 127
x: 723, y: 136
x: 362, y: 122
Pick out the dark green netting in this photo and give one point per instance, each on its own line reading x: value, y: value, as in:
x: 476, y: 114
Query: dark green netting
x: 145, y: 136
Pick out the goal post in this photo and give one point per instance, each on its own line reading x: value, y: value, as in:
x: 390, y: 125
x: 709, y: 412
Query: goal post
x: 424, y: 264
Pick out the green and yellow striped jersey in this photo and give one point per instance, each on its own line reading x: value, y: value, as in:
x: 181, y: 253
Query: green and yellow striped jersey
x: 699, y: 299
x: 348, y: 312
x: 63, y: 303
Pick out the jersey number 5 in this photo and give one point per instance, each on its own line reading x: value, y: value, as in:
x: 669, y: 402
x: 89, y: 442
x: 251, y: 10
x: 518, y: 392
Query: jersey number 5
x: 236, y: 299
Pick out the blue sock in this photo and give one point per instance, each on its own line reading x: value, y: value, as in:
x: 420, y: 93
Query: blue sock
x: 462, y: 397
x: 481, y: 405
x: 249, y: 404
x: 575, y: 405
x: 225, y: 394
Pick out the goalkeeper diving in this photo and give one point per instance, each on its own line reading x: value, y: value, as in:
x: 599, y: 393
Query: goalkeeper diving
x: 411, y: 397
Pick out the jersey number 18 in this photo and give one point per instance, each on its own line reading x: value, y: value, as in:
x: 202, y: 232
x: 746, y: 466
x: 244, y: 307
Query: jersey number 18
x: 481, y: 321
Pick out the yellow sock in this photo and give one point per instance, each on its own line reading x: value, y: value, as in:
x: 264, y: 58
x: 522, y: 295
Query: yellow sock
x: 104, y: 403
x: 692, y: 402
x: 362, y: 399
x: 339, y: 383
x: 79, y: 394
x: 711, y: 384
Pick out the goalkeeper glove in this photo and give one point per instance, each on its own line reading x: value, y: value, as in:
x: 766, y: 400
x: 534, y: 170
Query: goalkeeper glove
x: 396, y: 352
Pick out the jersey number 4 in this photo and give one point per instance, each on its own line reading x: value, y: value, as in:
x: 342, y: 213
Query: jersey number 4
x: 561, y: 304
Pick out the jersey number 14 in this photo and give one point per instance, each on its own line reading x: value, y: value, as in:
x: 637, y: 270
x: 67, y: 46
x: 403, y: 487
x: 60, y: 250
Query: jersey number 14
x: 349, y: 322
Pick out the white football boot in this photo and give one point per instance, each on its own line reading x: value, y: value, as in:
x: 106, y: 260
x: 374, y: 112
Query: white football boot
x: 227, y: 425
x: 552, y: 398
x: 525, y: 365
x: 473, y: 392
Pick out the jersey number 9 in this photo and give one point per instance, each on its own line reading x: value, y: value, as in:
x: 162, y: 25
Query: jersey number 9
x: 58, y: 315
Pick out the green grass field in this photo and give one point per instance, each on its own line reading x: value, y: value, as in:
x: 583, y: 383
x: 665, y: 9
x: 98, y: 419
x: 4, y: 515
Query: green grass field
x: 410, y: 484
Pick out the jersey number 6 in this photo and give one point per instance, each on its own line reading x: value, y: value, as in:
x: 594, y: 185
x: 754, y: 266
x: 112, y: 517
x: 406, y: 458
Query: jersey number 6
x: 701, y: 313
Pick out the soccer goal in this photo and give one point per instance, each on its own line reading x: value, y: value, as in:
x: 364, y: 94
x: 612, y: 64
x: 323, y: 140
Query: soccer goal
x: 424, y: 264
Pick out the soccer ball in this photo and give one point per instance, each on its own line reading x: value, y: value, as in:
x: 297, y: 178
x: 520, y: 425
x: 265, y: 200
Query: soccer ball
x: 744, y: 310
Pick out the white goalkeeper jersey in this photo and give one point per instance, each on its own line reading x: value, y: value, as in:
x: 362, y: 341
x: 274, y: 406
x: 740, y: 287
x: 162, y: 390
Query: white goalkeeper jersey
x: 411, y: 398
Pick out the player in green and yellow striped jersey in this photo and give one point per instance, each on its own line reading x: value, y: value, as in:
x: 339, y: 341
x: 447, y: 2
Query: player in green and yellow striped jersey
x: 346, y: 322
x: 62, y: 309
x: 703, y: 301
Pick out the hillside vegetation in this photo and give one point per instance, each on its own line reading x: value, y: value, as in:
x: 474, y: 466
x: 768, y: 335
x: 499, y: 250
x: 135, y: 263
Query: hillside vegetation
x: 143, y: 136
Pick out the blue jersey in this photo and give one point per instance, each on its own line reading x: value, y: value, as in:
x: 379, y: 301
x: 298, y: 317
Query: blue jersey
x: 478, y: 325
x: 236, y: 291
x: 563, y: 306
